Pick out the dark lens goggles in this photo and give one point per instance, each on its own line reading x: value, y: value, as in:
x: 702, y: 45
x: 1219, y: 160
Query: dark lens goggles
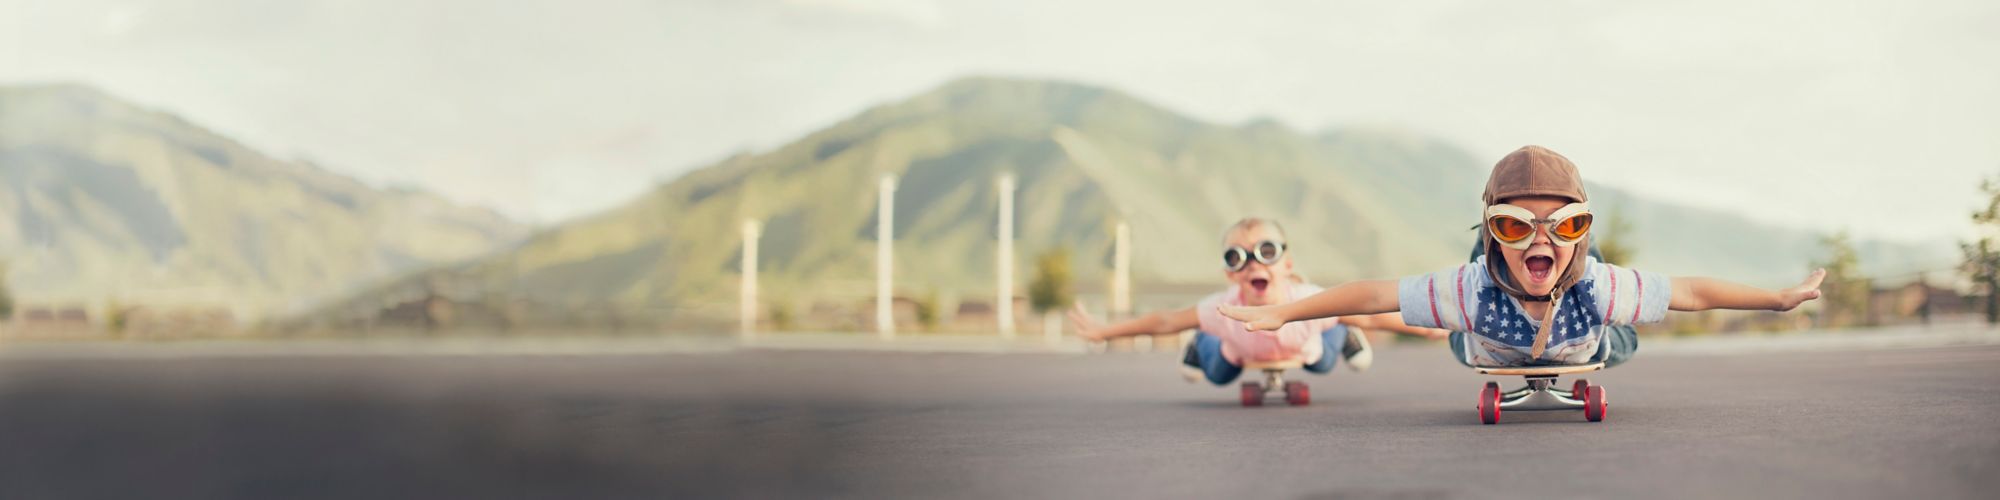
x: 1236, y: 258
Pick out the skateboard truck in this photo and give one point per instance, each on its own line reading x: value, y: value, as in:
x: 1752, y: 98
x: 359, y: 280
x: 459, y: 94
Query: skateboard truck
x: 1541, y: 393
x: 1296, y: 393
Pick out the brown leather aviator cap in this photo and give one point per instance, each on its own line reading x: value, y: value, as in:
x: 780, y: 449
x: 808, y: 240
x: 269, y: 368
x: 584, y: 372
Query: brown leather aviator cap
x: 1534, y: 171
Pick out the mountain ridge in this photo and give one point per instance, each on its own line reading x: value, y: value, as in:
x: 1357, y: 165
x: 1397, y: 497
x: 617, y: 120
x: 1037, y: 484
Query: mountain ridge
x: 107, y: 200
x: 1359, y: 203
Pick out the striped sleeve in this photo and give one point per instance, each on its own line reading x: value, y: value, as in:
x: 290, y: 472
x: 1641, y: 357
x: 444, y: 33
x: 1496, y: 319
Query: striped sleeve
x: 1444, y: 299
x: 1630, y: 296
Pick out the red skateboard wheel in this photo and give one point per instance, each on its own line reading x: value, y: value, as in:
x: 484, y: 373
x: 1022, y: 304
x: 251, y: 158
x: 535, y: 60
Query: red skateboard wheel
x: 1489, y: 404
x: 1594, y: 405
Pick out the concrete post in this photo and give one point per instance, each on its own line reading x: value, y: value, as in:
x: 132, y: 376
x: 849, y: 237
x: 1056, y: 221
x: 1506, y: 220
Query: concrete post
x: 1121, y: 273
x: 885, y: 240
x: 752, y: 231
x: 1003, y: 303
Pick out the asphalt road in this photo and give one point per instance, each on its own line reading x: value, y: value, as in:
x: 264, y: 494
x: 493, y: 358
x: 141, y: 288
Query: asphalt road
x: 1905, y: 423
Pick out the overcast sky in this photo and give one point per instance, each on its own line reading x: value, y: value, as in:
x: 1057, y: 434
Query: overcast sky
x: 1880, y: 116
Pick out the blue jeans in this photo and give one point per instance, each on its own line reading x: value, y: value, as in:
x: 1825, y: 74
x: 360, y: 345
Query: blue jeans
x: 1619, y: 344
x: 1208, y: 351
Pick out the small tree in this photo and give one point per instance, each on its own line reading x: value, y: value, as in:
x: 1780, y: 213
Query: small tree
x: 115, y: 317
x: 6, y: 297
x: 1846, y: 289
x: 781, y: 315
x: 1048, y: 290
x: 1982, y: 256
x: 927, y: 311
x: 1616, y: 245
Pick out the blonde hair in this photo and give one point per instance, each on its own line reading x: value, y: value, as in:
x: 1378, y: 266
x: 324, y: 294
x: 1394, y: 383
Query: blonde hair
x: 1249, y: 223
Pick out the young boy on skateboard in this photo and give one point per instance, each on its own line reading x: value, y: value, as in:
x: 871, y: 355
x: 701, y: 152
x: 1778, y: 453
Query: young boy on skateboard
x: 1254, y: 258
x: 1534, y: 298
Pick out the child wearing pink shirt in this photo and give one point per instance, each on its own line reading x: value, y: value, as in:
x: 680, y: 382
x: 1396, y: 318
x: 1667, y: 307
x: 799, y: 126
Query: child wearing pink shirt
x: 1255, y: 260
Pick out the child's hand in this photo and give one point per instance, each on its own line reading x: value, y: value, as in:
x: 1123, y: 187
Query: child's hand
x: 1260, y: 319
x: 1791, y: 297
x: 1085, y: 326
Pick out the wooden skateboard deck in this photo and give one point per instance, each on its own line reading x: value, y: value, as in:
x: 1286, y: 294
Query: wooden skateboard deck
x: 1538, y: 370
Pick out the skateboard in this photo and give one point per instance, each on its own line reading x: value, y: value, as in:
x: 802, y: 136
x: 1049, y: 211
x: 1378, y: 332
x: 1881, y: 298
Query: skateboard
x: 1542, y: 393
x: 1296, y: 393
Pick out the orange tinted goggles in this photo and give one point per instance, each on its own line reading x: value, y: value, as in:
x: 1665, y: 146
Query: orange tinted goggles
x: 1515, y: 227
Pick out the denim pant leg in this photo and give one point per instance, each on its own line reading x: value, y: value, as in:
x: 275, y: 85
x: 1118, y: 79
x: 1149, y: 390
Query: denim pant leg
x: 1218, y: 370
x: 1333, y: 338
x: 1458, y: 348
x: 1621, y: 342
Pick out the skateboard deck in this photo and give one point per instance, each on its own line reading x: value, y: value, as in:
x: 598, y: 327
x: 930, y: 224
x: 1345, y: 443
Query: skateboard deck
x: 1541, y: 393
x: 1538, y: 370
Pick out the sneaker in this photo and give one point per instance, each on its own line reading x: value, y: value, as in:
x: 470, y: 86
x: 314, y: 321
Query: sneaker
x: 1191, y: 365
x: 1356, y: 351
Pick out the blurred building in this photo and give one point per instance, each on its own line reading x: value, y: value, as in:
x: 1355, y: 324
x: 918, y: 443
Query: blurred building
x: 51, y: 322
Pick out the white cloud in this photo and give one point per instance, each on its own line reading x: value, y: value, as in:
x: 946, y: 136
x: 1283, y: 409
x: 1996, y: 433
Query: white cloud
x: 119, y: 20
x: 921, y: 13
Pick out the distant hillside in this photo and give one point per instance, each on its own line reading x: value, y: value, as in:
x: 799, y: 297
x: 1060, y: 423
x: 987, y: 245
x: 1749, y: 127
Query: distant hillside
x: 101, y: 199
x: 1358, y: 203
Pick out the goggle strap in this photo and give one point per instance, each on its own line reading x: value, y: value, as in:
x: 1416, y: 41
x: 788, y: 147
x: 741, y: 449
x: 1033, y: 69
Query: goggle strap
x: 1542, y: 334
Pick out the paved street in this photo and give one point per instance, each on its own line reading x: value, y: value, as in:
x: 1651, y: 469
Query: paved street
x: 1875, y: 423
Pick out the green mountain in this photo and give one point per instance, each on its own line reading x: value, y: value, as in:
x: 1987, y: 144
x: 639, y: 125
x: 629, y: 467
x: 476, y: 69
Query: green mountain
x: 1358, y: 203
x: 104, y: 200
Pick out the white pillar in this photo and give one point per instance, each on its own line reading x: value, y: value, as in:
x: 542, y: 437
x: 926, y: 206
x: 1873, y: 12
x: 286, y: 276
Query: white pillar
x: 1121, y: 273
x: 1003, y: 303
x: 885, y: 236
x: 752, y: 231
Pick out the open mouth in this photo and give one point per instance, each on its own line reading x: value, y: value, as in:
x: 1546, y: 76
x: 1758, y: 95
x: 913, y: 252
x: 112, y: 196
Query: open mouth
x: 1539, y: 268
x: 1260, y: 284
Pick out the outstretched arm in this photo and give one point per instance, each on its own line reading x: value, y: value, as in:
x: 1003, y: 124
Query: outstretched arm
x: 1350, y: 299
x: 1158, y: 323
x: 1392, y: 322
x: 1700, y: 294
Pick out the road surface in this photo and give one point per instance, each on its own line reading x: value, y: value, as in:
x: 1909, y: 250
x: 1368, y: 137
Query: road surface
x: 1880, y: 423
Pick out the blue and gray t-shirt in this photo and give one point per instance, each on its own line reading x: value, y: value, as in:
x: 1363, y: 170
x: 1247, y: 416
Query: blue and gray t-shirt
x: 1464, y: 299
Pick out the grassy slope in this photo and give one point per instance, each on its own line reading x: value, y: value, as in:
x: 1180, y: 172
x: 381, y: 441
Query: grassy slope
x: 101, y: 199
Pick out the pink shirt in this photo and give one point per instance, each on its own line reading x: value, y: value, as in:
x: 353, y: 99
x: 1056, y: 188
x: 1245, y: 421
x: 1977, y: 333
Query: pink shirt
x: 1298, y: 339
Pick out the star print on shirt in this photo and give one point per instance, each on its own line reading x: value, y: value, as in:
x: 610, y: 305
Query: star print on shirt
x: 1574, y: 319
